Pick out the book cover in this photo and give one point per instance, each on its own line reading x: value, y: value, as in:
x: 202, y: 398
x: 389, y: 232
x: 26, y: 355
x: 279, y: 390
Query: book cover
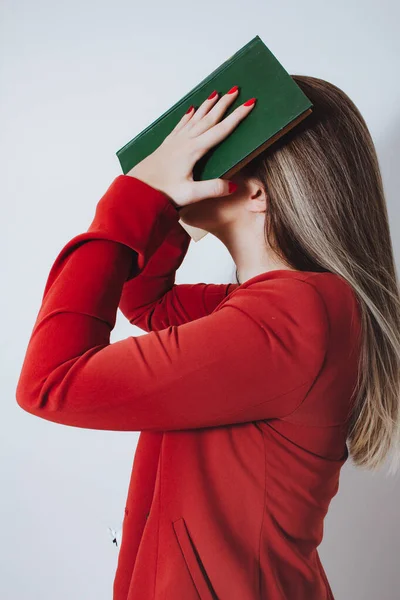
x: 280, y: 105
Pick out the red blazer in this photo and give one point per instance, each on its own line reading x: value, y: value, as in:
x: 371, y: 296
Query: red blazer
x: 241, y: 393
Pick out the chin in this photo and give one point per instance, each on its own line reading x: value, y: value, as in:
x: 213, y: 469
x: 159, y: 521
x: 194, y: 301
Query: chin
x: 193, y: 221
x: 204, y: 214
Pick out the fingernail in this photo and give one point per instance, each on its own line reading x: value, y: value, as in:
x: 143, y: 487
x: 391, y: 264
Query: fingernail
x: 249, y: 102
x: 232, y: 90
x: 232, y: 187
x: 212, y: 95
x: 189, y: 109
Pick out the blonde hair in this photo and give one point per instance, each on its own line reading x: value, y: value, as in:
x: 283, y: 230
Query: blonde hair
x: 327, y: 212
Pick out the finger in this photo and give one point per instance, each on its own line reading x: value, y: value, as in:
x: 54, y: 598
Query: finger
x: 195, y: 116
x: 184, y: 119
x: 209, y: 188
x: 205, y: 107
x: 214, y: 113
x: 221, y: 130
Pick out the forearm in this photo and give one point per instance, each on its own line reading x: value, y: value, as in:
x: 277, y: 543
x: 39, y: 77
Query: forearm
x: 82, y: 295
x: 75, y: 320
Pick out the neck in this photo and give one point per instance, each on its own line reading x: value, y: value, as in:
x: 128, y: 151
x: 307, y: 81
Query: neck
x: 250, y: 253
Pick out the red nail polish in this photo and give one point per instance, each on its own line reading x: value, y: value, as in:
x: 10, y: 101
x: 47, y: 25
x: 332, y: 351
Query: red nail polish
x: 212, y: 95
x: 232, y: 90
x: 249, y: 102
x: 232, y: 187
x: 189, y: 109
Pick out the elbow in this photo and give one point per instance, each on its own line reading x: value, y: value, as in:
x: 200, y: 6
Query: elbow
x: 38, y: 387
x: 34, y: 388
x: 46, y: 398
x: 33, y: 398
x: 28, y: 395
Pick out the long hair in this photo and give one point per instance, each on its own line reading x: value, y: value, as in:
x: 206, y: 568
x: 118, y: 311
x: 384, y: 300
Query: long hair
x: 327, y: 212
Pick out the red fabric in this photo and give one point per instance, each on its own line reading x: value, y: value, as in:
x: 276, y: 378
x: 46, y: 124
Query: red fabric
x: 241, y: 394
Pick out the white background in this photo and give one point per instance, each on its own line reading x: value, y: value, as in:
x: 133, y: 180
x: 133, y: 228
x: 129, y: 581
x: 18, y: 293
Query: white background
x: 78, y: 81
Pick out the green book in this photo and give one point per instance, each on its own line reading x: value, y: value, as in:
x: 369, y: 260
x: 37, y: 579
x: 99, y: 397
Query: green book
x: 280, y: 105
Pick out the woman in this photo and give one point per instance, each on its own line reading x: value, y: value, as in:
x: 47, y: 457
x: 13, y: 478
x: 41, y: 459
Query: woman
x: 245, y: 393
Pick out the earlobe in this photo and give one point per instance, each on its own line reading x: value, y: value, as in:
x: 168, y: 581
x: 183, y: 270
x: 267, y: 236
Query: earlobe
x: 257, y: 195
x: 259, y: 201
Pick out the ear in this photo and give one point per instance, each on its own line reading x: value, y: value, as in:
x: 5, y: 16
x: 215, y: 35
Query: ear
x: 257, y: 195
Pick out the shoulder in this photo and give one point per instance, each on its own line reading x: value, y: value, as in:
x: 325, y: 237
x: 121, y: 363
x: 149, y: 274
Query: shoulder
x: 316, y: 302
x: 316, y: 290
x: 310, y: 316
x: 297, y: 292
x: 283, y: 303
x: 287, y: 315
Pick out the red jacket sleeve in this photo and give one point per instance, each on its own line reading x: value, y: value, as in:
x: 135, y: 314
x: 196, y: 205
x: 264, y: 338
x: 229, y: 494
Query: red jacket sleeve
x: 152, y: 300
x: 254, y: 358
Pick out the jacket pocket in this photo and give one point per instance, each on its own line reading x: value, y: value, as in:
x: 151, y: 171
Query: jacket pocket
x: 193, y: 562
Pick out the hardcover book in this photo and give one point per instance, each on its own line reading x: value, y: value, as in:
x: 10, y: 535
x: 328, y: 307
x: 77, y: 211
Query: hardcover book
x: 280, y: 105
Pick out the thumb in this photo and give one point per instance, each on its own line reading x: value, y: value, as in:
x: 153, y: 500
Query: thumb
x: 210, y: 188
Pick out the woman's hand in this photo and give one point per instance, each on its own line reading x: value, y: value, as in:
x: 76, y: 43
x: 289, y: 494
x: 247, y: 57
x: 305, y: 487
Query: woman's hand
x: 170, y: 167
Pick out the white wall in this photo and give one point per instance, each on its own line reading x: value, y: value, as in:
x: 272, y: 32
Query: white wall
x: 78, y: 80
